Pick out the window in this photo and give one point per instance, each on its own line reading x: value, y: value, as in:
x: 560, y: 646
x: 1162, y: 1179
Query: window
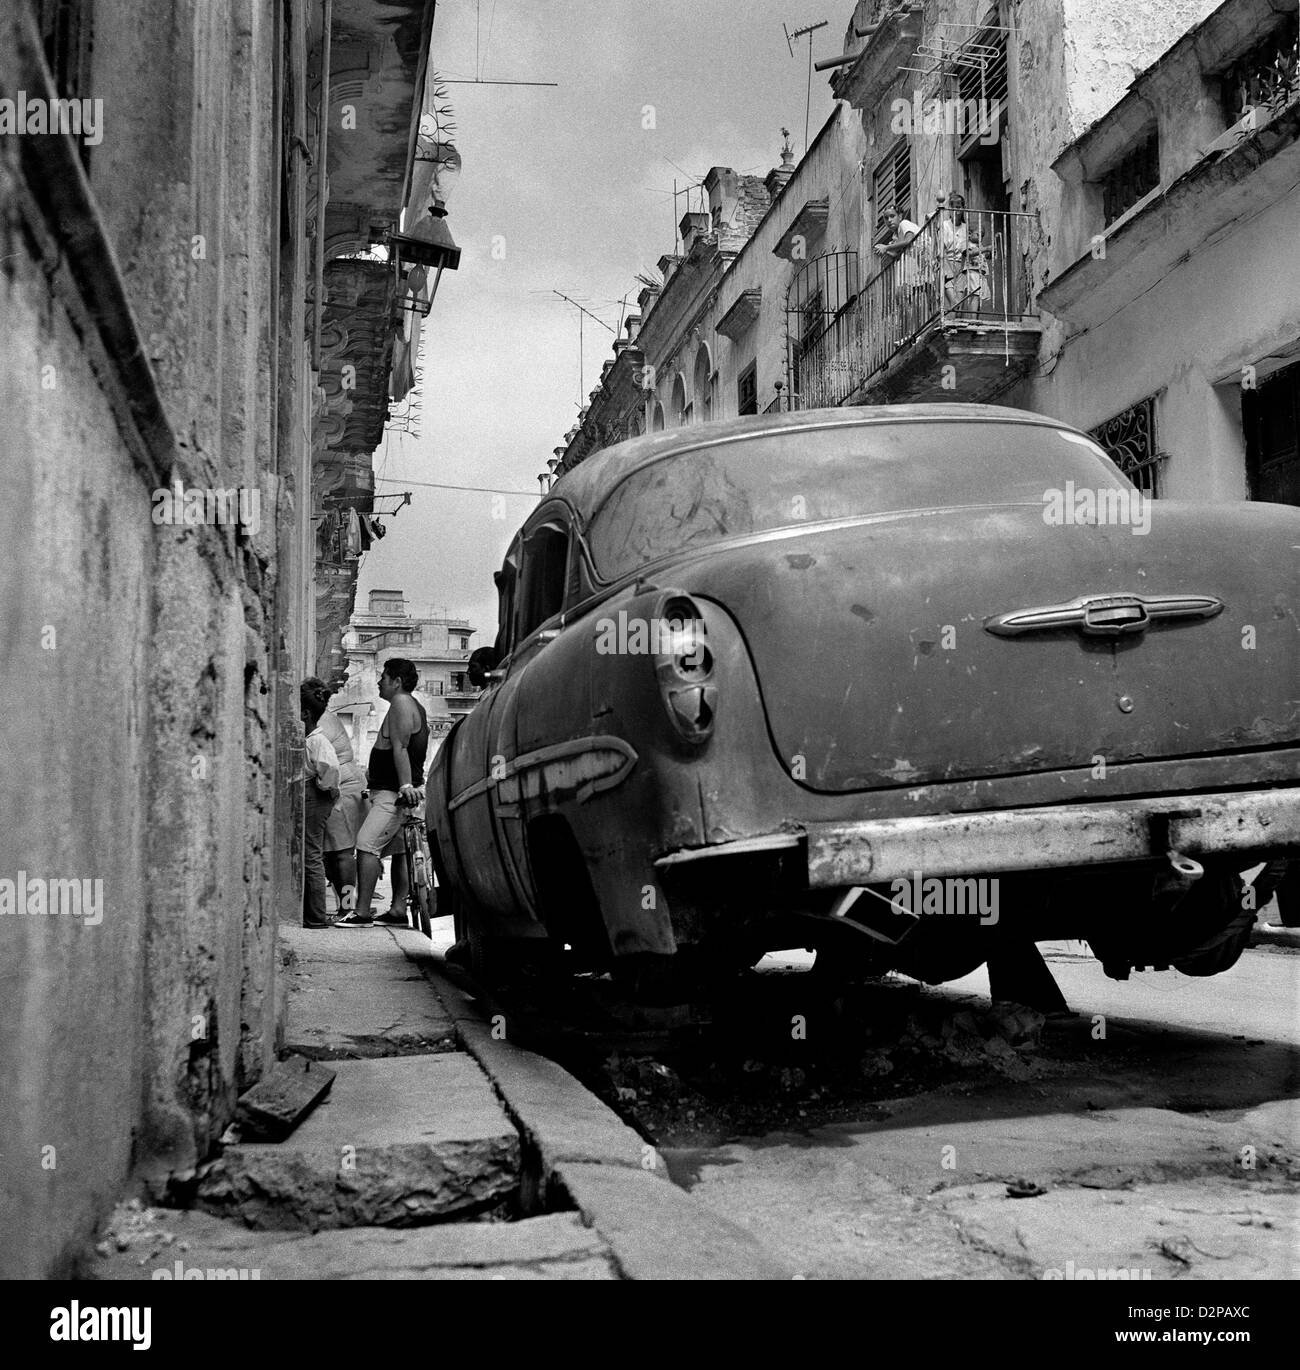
x: 703, y: 400
x: 1264, y: 77
x: 1130, y: 440
x: 1270, y: 416
x: 505, y: 580
x: 982, y: 76
x: 891, y: 182
x: 1136, y: 175
x: 747, y: 390
x: 698, y: 498
x: 459, y: 641
x: 459, y: 683
x: 679, y: 409
x: 546, y: 555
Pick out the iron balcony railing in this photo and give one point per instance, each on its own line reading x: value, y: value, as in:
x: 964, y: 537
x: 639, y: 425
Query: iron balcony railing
x: 972, y: 270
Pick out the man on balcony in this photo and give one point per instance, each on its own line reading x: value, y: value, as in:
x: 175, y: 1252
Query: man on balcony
x: 907, y: 304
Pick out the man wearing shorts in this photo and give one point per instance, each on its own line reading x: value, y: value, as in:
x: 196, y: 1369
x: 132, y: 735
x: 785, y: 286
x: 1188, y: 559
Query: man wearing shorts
x: 396, y: 768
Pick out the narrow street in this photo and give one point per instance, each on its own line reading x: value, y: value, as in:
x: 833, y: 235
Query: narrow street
x: 649, y: 643
x: 1169, y: 1147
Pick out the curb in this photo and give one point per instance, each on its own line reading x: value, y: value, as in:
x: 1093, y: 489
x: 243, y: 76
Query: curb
x: 615, y: 1179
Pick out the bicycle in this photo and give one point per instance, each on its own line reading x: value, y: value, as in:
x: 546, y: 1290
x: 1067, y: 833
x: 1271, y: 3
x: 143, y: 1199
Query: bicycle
x: 420, y: 897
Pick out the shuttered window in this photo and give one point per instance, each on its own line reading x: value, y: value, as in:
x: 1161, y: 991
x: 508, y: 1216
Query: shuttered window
x: 891, y: 183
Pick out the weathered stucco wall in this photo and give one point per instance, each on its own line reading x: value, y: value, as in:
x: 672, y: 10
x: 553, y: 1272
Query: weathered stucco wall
x: 151, y: 765
x: 830, y: 172
x: 1107, y: 42
x: 1160, y: 342
x: 75, y: 611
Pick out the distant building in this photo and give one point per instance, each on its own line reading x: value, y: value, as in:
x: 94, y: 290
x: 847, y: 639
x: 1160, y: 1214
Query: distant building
x: 440, y: 649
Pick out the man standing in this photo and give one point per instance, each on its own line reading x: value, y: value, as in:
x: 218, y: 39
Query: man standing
x: 395, y: 771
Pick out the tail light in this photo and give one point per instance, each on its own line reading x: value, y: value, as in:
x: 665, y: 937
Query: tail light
x: 684, y: 668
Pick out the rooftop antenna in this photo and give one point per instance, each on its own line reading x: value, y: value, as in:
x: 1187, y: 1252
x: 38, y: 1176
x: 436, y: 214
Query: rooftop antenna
x: 480, y: 55
x: 581, y: 311
x: 809, y: 30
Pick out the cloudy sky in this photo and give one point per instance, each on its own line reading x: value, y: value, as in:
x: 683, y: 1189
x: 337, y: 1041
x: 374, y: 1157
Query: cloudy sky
x: 581, y: 194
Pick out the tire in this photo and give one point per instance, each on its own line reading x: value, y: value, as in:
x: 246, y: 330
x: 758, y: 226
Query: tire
x: 419, y: 902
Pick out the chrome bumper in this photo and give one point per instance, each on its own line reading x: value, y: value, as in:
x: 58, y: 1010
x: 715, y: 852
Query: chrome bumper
x: 1058, y: 836
x: 872, y: 851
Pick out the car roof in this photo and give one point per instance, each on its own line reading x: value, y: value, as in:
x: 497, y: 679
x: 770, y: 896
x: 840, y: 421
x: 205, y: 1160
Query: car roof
x: 586, y: 485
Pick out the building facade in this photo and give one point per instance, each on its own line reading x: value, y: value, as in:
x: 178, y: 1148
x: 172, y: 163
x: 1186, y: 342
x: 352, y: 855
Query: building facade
x: 199, y: 346
x: 438, y: 646
x: 1122, y: 261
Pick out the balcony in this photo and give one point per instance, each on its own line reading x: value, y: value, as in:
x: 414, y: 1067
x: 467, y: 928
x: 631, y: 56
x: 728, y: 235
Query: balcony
x: 948, y: 320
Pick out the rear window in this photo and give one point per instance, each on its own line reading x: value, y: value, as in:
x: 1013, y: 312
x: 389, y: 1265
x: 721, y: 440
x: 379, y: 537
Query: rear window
x: 784, y: 479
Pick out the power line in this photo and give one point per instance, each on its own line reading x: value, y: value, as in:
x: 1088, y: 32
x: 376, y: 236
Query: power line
x: 435, y: 485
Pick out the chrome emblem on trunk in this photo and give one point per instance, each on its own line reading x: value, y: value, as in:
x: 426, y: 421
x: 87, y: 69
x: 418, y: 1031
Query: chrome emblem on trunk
x: 1103, y: 615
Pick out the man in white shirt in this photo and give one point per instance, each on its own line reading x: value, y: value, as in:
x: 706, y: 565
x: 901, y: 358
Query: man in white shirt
x: 321, y: 786
x: 904, y: 303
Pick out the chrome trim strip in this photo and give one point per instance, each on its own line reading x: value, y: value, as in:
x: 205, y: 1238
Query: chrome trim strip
x: 557, y: 751
x: 1089, y: 613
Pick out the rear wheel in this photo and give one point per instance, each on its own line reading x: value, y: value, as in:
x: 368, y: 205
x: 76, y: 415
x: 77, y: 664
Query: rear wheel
x: 421, y: 899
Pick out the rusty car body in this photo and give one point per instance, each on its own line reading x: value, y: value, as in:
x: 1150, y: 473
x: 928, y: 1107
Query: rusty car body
x: 752, y: 675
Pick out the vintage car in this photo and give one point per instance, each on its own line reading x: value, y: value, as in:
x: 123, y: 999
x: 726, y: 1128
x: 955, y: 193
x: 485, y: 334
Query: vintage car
x: 775, y: 682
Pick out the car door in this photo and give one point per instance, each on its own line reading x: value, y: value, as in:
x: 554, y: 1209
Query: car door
x: 543, y: 573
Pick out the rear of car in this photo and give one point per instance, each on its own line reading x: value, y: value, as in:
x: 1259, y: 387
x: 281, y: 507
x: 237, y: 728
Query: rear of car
x: 949, y: 646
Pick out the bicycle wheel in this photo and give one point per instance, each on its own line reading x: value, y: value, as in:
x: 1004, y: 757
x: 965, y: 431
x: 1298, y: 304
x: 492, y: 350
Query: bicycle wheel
x: 420, y: 892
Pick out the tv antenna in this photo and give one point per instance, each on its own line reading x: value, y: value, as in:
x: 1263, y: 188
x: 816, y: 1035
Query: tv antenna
x: 480, y: 55
x: 809, y: 30
x: 582, y: 309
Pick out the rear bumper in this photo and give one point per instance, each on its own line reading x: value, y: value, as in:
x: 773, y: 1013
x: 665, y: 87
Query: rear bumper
x: 872, y: 851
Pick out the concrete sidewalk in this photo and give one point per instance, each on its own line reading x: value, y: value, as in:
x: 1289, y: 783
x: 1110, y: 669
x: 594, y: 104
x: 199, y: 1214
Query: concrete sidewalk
x: 441, y: 1151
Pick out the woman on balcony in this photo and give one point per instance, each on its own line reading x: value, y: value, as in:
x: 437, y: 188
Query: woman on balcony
x: 965, y: 261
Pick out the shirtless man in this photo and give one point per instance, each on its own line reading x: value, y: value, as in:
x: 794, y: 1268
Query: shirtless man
x: 396, y: 769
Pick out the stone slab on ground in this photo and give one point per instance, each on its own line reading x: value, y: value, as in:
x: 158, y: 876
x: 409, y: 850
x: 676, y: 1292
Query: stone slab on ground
x: 1182, y: 1231
x: 940, y: 1140
x: 838, y: 1221
x: 657, y: 1231
x: 282, y: 1098
x: 397, y: 1142
x: 553, y: 1247
x: 654, y: 1229
x: 354, y: 993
